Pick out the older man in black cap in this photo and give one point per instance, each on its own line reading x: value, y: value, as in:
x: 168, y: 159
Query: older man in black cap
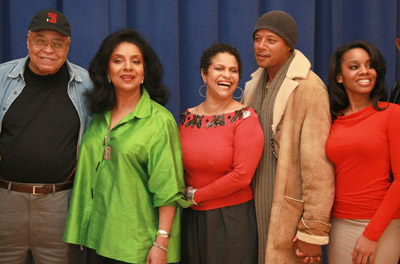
x: 43, y: 116
x: 294, y: 182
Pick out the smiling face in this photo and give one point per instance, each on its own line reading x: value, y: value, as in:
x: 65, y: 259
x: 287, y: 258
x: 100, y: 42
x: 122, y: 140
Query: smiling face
x: 126, y: 68
x: 357, y: 76
x: 270, y: 50
x: 46, y: 59
x: 222, y: 77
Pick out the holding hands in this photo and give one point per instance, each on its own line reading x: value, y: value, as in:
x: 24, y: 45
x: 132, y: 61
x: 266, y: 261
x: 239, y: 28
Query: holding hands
x: 307, y: 253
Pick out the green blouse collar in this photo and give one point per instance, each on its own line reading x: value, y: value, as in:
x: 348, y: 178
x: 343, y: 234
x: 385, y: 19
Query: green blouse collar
x: 142, y: 110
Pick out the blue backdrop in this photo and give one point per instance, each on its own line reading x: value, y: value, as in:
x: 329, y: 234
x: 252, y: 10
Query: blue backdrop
x: 179, y: 30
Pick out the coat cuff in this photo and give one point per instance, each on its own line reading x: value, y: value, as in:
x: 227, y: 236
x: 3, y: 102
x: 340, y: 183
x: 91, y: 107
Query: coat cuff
x: 312, y: 239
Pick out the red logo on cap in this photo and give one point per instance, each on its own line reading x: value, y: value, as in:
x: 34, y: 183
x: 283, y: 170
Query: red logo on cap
x: 52, y: 18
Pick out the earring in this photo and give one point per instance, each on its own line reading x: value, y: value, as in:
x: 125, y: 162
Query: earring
x: 204, y: 85
x: 238, y: 97
x: 108, y: 78
x: 142, y: 81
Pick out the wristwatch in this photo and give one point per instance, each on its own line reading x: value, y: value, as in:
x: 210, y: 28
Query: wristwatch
x: 190, y: 195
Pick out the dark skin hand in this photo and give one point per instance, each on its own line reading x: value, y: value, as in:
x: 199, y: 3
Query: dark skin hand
x: 307, y: 253
x: 363, y: 250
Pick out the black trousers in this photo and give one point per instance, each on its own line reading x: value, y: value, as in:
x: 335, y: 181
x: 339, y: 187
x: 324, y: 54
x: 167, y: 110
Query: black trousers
x: 223, y: 235
x: 93, y: 258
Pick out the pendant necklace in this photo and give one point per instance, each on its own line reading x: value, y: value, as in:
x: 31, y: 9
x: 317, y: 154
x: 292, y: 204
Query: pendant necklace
x: 107, y: 148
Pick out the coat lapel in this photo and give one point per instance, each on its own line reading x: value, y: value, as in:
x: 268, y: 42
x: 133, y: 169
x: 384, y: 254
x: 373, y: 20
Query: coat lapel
x: 298, y: 69
x: 250, y: 87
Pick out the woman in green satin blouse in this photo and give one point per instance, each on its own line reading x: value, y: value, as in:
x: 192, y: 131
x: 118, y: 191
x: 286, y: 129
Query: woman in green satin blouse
x: 129, y: 178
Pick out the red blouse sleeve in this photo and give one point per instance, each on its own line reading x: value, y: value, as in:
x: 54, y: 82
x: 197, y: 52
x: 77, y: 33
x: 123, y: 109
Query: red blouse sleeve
x: 391, y: 203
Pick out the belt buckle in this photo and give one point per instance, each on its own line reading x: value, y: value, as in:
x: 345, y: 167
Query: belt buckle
x: 34, y: 190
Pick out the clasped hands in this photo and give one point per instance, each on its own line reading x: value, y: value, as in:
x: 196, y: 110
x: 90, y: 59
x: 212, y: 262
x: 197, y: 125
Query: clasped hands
x: 307, y: 253
x: 363, y: 251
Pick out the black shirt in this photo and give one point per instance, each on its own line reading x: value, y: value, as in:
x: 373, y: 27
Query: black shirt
x: 40, y: 131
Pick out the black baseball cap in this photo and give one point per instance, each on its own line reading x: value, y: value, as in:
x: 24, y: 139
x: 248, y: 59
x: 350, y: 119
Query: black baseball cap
x: 50, y: 20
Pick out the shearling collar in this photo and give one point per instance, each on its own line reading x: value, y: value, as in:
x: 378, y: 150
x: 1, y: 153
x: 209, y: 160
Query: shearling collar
x: 298, y: 69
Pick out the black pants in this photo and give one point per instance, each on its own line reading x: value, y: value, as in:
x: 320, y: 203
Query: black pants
x: 223, y: 235
x: 93, y: 258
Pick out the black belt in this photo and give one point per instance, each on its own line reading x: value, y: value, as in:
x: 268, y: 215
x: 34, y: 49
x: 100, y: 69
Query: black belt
x: 36, y: 188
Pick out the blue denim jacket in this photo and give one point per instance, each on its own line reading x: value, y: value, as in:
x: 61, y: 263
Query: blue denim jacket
x: 12, y: 83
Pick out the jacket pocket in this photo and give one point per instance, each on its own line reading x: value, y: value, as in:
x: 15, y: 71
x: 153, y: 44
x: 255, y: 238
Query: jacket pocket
x: 286, y: 226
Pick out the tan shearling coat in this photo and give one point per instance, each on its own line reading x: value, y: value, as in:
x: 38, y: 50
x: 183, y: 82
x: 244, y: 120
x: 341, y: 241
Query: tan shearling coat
x: 304, y: 185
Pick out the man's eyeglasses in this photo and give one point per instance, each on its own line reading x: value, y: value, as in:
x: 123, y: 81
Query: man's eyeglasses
x: 42, y: 42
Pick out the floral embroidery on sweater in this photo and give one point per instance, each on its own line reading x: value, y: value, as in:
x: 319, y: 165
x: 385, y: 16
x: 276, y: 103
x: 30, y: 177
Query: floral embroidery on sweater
x: 197, y: 120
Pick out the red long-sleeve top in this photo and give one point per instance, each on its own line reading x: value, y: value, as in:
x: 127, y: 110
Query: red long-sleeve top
x: 220, y: 155
x: 364, y: 146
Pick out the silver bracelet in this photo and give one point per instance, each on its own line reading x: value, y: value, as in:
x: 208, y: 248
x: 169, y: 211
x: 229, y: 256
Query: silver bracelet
x: 160, y: 247
x: 163, y: 233
x: 190, y: 196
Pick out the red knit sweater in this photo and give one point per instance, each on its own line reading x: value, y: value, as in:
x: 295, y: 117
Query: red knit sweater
x: 220, y: 156
x: 363, y: 147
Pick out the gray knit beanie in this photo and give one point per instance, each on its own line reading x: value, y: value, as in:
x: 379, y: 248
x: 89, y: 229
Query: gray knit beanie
x: 280, y: 23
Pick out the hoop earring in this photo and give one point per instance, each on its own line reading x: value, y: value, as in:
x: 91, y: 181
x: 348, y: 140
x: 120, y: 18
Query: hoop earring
x: 108, y: 78
x: 204, y: 85
x: 238, y: 97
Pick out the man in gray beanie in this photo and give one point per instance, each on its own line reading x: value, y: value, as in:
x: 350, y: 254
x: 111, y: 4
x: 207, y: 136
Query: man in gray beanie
x: 294, y: 182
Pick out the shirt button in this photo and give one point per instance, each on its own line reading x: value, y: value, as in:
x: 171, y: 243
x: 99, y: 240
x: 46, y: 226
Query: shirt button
x: 4, y: 108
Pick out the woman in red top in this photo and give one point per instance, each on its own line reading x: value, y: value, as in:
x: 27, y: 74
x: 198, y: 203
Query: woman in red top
x: 222, y: 142
x: 364, y: 146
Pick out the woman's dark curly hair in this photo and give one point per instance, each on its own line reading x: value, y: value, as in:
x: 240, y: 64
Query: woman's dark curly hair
x: 338, y: 98
x: 213, y: 50
x: 102, y: 97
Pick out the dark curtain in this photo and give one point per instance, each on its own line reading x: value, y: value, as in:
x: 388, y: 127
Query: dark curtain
x: 179, y: 30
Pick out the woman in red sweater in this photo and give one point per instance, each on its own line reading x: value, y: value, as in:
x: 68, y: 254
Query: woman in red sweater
x: 222, y: 142
x: 364, y: 146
